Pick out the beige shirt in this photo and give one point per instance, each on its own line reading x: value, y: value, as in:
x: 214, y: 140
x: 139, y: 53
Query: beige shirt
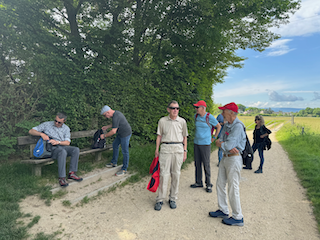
x: 172, y: 131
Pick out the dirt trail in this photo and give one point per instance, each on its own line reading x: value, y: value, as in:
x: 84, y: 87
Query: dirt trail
x: 274, y: 207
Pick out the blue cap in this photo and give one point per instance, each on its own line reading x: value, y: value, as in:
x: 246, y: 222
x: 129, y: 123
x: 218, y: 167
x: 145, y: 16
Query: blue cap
x: 105, y: 109
x: 220, y: 118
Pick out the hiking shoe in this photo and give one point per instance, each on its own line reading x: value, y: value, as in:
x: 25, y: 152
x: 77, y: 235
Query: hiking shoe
x: 172, y: 204
x: 63, y: 182
x: 248, y: 168
x: 122, y: 172
x: 73, y: 176
x: 158, y: 206
x: 110, y: 165
x: 218, y: 214
x: 258, y: 171
x: 196, y: 185
x: 209, y: 189
x: 233, y: 222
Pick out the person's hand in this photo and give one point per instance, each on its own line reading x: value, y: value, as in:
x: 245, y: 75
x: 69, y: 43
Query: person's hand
x: 184, y: 156
x: 218, y: 143
x: 44, y: 137
x: 102, y: 136
x: 54, y: 142
x: 104, y: 128
x: 234, y: 150
x: 156, y: 153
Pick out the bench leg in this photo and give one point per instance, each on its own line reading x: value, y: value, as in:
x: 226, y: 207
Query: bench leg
x: 98, y: 156
x: 36, y: 170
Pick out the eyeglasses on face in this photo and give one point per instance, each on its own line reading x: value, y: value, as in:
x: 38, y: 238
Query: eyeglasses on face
x: 172, y: 108
x: 197, y: 107
x: 257, y: 119
x: 58, y: 121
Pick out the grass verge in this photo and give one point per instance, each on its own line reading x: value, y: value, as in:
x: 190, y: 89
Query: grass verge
x: 304, y: 152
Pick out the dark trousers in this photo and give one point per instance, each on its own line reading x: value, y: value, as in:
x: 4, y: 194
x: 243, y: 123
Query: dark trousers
x: 202, y: 156
x: 61, y: 153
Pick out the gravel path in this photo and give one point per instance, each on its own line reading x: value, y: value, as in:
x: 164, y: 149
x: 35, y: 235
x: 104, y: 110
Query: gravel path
x: 274, y: 207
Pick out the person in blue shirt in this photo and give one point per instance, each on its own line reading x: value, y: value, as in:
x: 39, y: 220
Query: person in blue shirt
x: 204, y: 122
x: 221, y: 122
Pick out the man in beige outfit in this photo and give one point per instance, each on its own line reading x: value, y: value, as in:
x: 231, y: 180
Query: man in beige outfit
x: 172, y: 135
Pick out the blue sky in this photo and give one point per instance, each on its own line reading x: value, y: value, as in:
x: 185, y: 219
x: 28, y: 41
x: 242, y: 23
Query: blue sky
x: 286, y: 74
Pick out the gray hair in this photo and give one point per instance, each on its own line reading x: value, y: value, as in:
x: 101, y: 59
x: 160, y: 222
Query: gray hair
x: 235, y: 113
x: 174, y: 102
x: 62, y: 115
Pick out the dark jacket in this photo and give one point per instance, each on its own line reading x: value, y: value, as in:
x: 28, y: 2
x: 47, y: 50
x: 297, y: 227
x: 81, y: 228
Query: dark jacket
x: 266, y: 141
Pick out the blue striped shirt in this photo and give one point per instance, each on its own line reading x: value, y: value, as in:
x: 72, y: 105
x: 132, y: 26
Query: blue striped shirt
x: 60, y: 134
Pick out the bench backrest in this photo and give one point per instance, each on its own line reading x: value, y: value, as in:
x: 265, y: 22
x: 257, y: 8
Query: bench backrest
x: 32, y: 140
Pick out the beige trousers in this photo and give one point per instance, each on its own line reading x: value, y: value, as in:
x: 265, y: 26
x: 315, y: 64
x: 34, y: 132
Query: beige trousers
x: 170, y: 166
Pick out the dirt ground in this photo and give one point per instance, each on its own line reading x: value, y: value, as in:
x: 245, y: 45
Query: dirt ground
x: 274, y: 206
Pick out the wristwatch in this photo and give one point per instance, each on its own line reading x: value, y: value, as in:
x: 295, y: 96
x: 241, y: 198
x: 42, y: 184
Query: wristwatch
x: 59, y: 142
x: 185, y: 150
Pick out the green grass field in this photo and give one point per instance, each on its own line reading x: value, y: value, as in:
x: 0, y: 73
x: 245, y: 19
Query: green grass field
x: 304, y: 151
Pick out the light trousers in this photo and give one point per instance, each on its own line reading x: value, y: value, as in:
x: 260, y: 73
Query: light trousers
x: 170, y: 166
x: 229, y: 172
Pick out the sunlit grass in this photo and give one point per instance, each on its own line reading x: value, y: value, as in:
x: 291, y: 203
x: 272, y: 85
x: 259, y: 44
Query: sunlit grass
x: 304, y: 151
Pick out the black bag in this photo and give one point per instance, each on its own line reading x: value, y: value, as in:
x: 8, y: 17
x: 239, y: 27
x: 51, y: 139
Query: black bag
x: 43, y: 149
x: 267, y: 143
x: 247, y: 153
x: 97, y: 142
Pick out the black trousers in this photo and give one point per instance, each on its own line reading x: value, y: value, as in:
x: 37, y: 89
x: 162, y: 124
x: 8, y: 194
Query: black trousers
x: 202, y: 157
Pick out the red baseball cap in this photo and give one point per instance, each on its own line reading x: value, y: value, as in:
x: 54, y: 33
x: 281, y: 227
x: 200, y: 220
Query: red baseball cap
x: 231, y: 106
x: 200, y: 103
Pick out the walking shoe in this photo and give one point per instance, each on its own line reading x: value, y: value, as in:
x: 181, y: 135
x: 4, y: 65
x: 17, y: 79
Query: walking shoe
x: 258, y: 171
x: 196, y: 185
x: 172, y: 204
x: 122, y: 172
x: 248, y: 168
x: 158, y: 206
x: 218, y: 214
x: 209, y: 189
x: 110, y: 165
x: 73, y: 176
x: 63, y: 182
x: 233, y: 222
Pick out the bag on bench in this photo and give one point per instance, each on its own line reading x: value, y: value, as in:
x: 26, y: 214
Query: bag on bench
x: 97, y: 142
x: 43, y: 149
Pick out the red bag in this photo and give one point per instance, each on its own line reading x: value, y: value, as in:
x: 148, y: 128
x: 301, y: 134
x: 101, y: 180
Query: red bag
x: 155, y: 170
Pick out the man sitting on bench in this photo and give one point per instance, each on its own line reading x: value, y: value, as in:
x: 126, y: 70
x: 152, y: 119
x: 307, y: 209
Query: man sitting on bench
x: 58, y: 135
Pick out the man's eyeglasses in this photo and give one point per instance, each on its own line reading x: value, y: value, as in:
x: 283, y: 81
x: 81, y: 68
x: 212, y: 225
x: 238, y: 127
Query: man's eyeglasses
x: 172, y: 108
x: 196, y: 107
x: 58, y: 122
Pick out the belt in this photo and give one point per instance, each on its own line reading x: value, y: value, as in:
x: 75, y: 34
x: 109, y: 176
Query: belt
x: 172, y: 142
x: 231, y: 154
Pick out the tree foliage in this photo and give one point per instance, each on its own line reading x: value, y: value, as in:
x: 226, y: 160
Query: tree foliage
x: 136, y: 56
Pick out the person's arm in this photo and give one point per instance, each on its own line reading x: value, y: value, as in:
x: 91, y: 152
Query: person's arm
x: 106, y: 127
x: 34, y: 132
x: 56, y: 142
x: 218, y: 128
x: 158, y: 141
x: 185, y: 142
x: 108, y: 134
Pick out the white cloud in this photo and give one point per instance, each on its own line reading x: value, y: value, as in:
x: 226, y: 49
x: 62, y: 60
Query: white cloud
x: 305, y: 21
x: 279, y: 47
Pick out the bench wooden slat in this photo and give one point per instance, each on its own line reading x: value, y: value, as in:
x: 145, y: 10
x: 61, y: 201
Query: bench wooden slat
x: 82, y: 152
x: 25, y: 140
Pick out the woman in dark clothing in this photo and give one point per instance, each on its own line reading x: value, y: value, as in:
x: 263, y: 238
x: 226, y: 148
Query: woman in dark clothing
x: 260, y: 135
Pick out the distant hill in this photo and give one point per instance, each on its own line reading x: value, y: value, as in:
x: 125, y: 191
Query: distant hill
x: 287, y: 109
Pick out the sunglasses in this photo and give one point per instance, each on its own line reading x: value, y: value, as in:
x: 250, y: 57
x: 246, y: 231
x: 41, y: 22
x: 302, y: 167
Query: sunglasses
x: 58, y: 122
x: 196, y: 107
x: 177, y: 108
x: 257, y: 119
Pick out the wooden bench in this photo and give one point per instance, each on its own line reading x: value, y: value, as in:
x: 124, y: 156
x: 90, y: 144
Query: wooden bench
x: 37, y: 164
